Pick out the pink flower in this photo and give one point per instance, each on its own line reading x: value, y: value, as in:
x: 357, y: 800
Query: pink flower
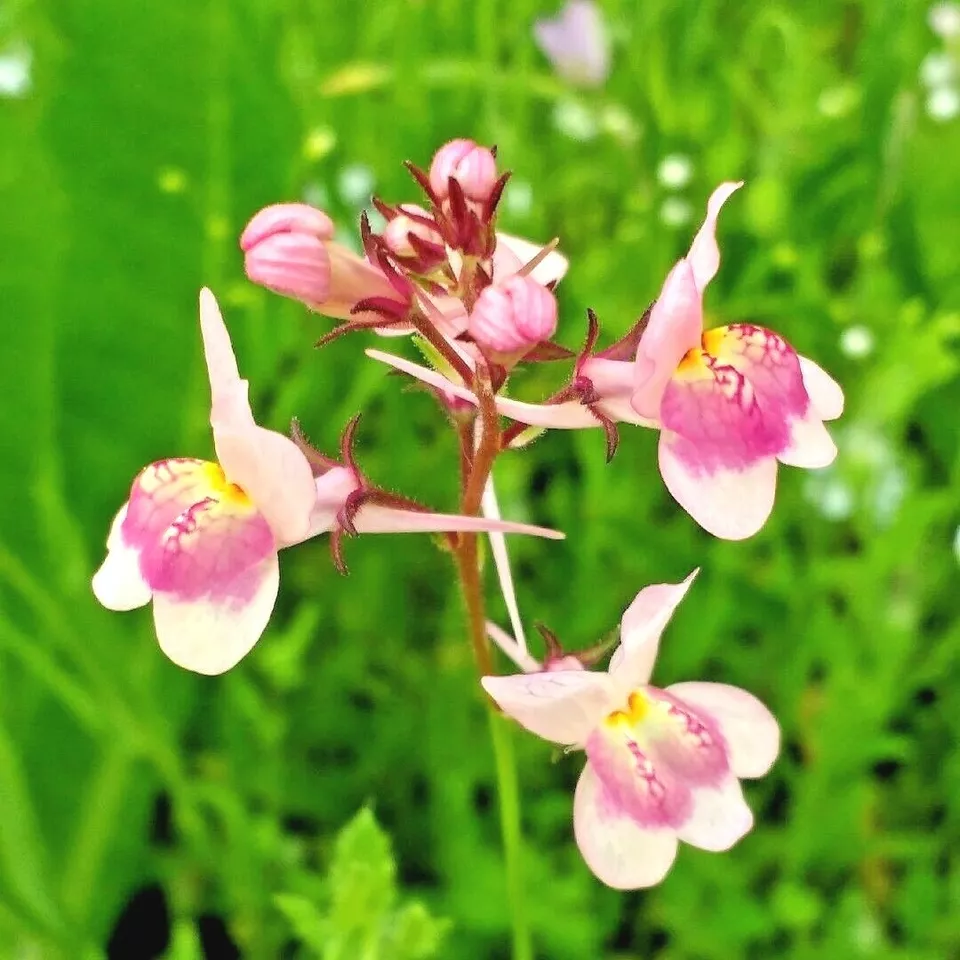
x: 289, y: 248
x: 576, y: 43
x: 511, y: 317
x: 472, y: 166
x: 663, y: 765
x: 201, y: 539
x: 731, y: 402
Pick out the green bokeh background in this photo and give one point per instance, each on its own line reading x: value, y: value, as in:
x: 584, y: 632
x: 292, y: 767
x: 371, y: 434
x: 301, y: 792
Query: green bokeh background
x: 168, y: 814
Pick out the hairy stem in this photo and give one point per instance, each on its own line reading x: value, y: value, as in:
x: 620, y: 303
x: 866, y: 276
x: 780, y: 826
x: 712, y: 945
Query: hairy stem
x: 477, y: 458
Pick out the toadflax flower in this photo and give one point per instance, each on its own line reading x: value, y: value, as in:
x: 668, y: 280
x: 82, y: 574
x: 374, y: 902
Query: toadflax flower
x: 576, y: 42
x: 730, y: 402
x: 663, y: 765
x: 201, y: 539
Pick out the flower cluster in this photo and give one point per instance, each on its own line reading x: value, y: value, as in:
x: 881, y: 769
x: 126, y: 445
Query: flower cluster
x: 201, y: 539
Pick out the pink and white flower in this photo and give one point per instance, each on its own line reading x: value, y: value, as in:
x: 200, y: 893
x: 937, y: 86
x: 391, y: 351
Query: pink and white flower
x: 663, y: 765
x: 201, y: 539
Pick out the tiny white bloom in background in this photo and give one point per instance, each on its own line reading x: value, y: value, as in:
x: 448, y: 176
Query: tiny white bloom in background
x: 943, y: 104
x: 619, y: 123
x: 315, y: 194
x: 944, y: 20
x: 16, y: 62
x: 857, y: 342
x: 675, y: 212
x: 575, y: 120
x: 355, y: 183
x: 938, y: 69
x: 674, y: 171
x: 518, y: 199
x: 956, y: 544
x: 576, y: 42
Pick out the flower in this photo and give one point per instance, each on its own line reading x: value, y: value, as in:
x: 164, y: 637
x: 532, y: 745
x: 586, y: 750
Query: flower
x: 663, y: 765
x: 729, y: 402
x: 472, y: 166
x: 576, y: 43
x: 201, y: 539
x: 289, y: 248
x: 511, y: 317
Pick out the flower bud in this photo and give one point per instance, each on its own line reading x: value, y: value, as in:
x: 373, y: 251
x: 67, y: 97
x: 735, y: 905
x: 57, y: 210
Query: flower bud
x: 472, y: 166
x: 512, y: 317
x: 289, y: 249
x: 397, y: 232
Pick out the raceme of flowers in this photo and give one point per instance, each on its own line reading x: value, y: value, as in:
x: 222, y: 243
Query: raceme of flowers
x: 200, y: 540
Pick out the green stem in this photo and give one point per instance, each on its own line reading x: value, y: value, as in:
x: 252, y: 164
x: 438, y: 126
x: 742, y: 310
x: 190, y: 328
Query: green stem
x: 501, y: 733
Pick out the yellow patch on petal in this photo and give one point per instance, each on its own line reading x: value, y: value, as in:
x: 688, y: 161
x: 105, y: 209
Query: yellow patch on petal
x: 223, y: 490
x: 637, y: 709
x: 693, y: 365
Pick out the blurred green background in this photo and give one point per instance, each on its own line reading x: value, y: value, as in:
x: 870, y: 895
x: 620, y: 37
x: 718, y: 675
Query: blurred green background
x: 148, y: 812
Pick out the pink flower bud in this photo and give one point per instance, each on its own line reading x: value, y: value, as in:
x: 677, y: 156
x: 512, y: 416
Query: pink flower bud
x: 397, y: 231
x: 472, y: 166
x: 513, y: 316
x: 289, y: 249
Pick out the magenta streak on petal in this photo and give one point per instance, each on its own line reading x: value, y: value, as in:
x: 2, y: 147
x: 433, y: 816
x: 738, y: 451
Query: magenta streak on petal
x: 209, y: 551
x: 633, y: 785
x: 718, y: 421
x: 160, y: 493
x: 687, y: 743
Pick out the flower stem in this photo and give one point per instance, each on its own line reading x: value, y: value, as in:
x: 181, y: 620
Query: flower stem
x: 476, y: 464
x: 501, y: 734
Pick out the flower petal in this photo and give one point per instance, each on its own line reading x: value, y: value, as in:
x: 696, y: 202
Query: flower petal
x: 501, y: 560
x: 810, y: 445
x: 561, y: 706
x: 643, y: 621
x: 229, y: 406
x: 729, y: 503
x: 512, y: 253
x: 621, y: 853
x: 118, y: 584
x: 704, y: 254
x: 825, y: 393
x: 519, y: 655
x: 211, y: 634
x: 749, y: 728
x: 273, y: 471
x: 676, y: 323
x: 268, y: 466
x: 719, y: 819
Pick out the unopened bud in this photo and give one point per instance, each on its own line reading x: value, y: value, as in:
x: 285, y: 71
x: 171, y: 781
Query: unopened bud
x: 472, y: 166
x: 411, y: 219
x: 513, y: 316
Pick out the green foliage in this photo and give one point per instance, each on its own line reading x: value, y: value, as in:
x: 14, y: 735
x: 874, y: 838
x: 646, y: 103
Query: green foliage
x: 150, y: 134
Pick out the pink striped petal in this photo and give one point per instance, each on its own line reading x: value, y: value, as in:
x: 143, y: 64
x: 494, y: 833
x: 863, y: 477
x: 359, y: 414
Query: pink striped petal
x: 751, y: 732
x: 618, y: 850
x: 676, y: 323
x: 730, y: 503
x: 704, y: 254
x: 512, y: 253
x: 643, y: 621
x: 118, y: 584
x: 825, y: 393
x: 561, y: 706
x: 211, y: 634
x: 719, y: 819
x: 208, y: 550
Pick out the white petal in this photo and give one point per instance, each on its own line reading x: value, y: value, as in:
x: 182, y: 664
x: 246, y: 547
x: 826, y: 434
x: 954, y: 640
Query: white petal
x: 750, y: 729
x: 550, y: 270
x: 704, y: 255
x: 730, y: 504
x: 373, y: 518
x: 562, y: 706
x: 501, y: 560
x: 825, y: 393
x: 519, y: 655
x: 811, y: 445
x: 720, y: 817
x: 212, y: 635
x: 118, y: 584
x: 640, y: 628
x: 623, y: 855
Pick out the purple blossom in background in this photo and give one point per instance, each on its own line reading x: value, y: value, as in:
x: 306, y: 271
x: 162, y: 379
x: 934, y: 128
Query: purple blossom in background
x: 577, y: 43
